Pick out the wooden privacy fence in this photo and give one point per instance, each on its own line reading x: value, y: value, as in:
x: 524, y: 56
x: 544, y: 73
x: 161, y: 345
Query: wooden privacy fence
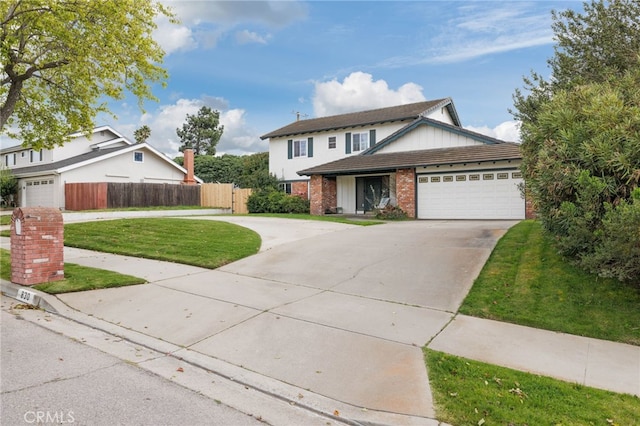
x: 120, y: 195
x: 224, y: 196
x: 114, y: 195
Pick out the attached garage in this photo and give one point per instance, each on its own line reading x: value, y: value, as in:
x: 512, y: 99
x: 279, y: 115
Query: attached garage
x: 461, y: 182
x: 483, y: 194
x: 38, y: 192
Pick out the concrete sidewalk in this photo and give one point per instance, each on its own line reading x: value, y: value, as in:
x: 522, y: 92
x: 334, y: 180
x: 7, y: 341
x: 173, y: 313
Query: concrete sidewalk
x: 340, y: 342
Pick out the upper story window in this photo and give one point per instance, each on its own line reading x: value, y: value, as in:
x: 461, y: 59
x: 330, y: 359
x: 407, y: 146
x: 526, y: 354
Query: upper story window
x: 300, y: 148
x: 10, y: 159
x: 138, y: 156
x: 359, y: 141
x: 35, y: 156
x: 332, y: 142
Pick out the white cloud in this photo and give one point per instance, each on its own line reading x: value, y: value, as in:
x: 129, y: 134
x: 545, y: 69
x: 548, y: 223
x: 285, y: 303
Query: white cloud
x: 237, y: 138
x: 477, y: 31
x: 206, y: 23
x: 507, y: 131
x: 275, y: 14
x: 246, y: 37
x: 173, y: 38
x: 358, y: 91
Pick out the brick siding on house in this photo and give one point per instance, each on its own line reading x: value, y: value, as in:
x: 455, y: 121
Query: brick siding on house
x: 406, y: 191
x: 324, y: 194
x: 301, y: 189
x: 37, y: 245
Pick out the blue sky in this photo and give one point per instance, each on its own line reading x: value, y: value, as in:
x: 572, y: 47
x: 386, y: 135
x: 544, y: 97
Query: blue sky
x: 259, y: 63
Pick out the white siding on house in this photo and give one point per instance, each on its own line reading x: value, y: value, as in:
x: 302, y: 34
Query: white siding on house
x: 346, y: 193
x: 428, y: 137
x: 76, y: 146
x: 441, y: 114
x: 122, y: 168
x: 81, y: 145
x: 286, y: 169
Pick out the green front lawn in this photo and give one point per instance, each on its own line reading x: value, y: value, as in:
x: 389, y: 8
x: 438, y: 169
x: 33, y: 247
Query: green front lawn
x: 473, y: 393
x: 76, y: 277
x: 526, y: 282
x: 204, y: 243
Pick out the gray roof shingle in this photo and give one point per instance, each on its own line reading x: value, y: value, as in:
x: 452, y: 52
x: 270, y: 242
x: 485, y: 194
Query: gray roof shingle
x: 410, y: 159
x: 362, y: 118
x: 51, y: 167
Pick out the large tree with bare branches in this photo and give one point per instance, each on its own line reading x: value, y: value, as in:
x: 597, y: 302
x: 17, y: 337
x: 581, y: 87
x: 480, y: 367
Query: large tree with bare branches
x: 61, y: 60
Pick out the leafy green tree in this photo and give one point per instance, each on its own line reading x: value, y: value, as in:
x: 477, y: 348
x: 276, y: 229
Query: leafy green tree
x: 224, y: 169
x: 60, y: 60
x: 8, y: 186
x: 142, y: 134
x: 255, y: 172
x: 580, y: 133
x: 201, y: 132
x: 600, y: 44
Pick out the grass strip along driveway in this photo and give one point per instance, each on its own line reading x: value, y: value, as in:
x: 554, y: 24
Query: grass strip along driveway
x: 526, y: 282
x: 204, y: 243
x: 207, y: 244
x: 474, y: 393
x: 76, y: 277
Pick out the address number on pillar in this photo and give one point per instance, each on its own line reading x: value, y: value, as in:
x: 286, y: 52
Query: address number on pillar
x: 26, y: 296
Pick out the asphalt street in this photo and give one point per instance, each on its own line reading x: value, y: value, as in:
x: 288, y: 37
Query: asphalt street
x: 50, y: 378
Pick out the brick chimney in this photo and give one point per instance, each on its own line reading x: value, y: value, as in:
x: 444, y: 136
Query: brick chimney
x: 189, y: 179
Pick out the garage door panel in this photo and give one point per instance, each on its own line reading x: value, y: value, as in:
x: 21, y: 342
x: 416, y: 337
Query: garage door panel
x: 465, y: 195
x: 39, y: 193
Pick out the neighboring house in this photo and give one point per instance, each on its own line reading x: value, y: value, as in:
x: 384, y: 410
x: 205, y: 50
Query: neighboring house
x: 416, y: 156
x: 106, y: 157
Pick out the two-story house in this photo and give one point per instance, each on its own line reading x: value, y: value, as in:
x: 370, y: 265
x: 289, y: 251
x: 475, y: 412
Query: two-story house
x: 415, y: 156
x: 107, y: 156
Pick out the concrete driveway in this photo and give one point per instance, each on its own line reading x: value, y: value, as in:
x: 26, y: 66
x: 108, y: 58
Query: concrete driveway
x: 341, y: 313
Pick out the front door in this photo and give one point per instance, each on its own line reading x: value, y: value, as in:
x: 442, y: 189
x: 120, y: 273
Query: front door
x: 369, y: 192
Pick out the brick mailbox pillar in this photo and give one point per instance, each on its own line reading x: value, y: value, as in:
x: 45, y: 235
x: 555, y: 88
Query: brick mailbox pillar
x: 37, y: 245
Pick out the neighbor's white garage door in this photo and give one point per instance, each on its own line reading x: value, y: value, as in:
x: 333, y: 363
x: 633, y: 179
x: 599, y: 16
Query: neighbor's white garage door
x: 471, y: 195
x: 39, y: 193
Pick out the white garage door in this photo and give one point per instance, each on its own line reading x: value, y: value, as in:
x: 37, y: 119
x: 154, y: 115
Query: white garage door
x: 39, y: 193
x: 471, y: 195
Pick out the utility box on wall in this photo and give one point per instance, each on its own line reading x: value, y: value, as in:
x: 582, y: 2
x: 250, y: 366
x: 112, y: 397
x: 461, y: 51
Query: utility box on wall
x: 37, y: 245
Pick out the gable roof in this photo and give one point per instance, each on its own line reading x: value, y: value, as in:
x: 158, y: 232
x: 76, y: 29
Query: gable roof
x: 90, y: 158
x: 409, y: 159
x: 116, y: 139
x: 364, y: 118
x: 422, y: 121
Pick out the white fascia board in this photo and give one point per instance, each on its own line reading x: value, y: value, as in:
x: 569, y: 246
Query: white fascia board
x: 96, y: 130
x: 106, y: 144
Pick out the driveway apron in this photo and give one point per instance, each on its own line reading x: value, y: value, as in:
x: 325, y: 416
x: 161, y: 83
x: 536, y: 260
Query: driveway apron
x: 343, y: 313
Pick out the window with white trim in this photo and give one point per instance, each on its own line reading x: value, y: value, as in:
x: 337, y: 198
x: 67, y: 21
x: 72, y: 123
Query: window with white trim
x: 359, y: 141
x: 35, y: 156
x: 300, y: 148
x: 138, y: 156
x: 285, y: 187
x: 332, y: 142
